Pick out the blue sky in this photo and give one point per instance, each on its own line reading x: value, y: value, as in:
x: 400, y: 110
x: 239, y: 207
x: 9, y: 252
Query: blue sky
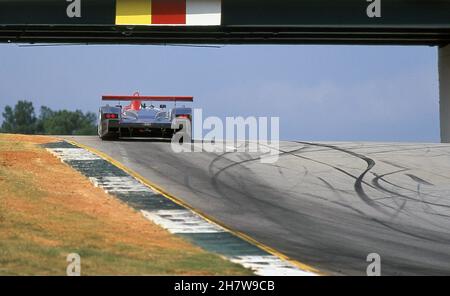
x: 343, y: 93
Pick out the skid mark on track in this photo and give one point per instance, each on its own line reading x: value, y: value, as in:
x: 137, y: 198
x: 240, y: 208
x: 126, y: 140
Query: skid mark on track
x: 419, y: 180
x: 331, y: 187
x: 220, y: 187
x: 359, y: 180
x: 378, y: 178
x: 405, y: 198
x: 409, y: 149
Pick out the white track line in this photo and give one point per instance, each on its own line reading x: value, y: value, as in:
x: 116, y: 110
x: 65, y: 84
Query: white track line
x: 181, y: 221
x: 269, y: 266
x: 68, y: 154
x: 119, y: 184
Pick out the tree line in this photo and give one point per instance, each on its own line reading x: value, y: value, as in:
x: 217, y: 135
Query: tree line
x: 21, y: 119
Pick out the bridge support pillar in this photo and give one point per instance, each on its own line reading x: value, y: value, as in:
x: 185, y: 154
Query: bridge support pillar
x: 444, y: 92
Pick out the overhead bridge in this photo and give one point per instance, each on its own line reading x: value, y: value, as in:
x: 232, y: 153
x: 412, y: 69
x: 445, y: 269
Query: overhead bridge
x: 362, y: 22
x: 415, y: 22
x: 222, y: 35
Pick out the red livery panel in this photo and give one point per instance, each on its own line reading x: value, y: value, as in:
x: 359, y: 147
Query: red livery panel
x: 168, y: 12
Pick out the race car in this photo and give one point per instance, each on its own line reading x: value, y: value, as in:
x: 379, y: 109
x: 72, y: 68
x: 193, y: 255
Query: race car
x: 141, y: 118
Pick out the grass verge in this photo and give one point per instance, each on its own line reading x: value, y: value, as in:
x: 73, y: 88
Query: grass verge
x: 48, y: 210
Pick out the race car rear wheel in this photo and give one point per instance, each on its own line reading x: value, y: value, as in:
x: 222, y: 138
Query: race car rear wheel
x: 109, y: 137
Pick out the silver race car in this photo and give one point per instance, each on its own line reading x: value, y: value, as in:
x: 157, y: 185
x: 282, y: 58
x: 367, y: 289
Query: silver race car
x: 141, y: 118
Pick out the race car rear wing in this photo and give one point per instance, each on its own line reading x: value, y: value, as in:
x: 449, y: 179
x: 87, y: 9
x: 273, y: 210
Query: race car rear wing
x: 148, y: 98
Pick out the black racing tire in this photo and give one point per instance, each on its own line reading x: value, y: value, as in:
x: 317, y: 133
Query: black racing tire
x: 109, y: 137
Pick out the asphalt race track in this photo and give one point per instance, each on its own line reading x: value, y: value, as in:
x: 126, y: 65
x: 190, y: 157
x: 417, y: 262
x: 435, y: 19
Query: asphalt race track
x: 327, y: 205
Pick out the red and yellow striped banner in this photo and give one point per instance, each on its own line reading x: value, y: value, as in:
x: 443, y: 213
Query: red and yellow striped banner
x: 168, y: 12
